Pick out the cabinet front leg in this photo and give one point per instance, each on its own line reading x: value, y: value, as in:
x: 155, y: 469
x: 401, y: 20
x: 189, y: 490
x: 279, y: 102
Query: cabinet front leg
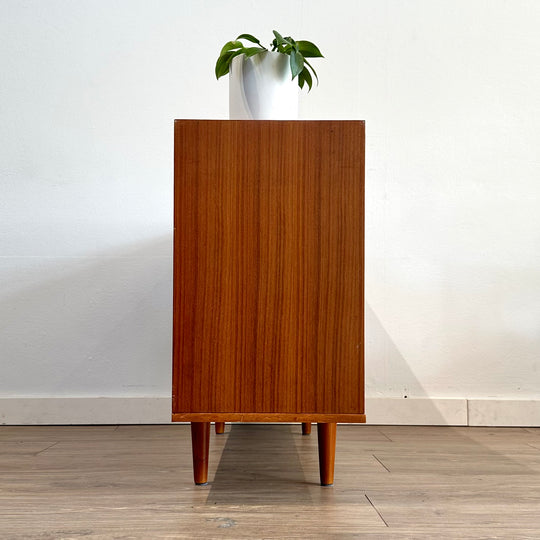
x: 326, y: 435
x: 200, y: 442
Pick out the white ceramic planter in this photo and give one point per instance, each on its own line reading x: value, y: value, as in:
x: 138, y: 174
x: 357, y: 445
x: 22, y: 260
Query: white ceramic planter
x: 260, y: 88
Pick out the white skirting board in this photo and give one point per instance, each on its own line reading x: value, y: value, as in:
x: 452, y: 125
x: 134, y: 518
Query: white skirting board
x: 84, y: 410
x: 157, y: 410
x: 416, y: 411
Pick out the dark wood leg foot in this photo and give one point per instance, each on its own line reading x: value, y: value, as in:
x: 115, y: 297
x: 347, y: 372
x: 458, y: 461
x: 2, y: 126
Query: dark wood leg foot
x: 326, y: 434
x: 220, y: 428
x: 306, y: 428
x: 200, y: 442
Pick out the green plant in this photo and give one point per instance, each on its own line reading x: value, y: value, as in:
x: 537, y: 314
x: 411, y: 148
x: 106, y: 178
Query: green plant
x: 298, y: 51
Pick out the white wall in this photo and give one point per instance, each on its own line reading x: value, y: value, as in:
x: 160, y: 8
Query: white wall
x: 450, y: 91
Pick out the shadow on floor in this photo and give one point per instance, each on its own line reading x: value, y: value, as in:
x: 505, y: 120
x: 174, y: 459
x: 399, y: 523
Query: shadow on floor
x: 257, y: 465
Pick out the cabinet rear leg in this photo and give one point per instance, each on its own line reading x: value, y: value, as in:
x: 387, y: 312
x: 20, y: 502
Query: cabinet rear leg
x: 200, y: 442
x: 306, y: 428
x: 220, y: 428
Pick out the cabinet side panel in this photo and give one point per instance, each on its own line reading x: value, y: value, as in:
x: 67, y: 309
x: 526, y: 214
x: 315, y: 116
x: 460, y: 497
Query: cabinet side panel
x: 340, y: 340
x: 268, y: 267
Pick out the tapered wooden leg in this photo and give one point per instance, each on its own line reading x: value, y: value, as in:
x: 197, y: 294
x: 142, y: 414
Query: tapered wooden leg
x: 326, y: 434
x: 220, y: 427
x: 306, y: 428
x: 200, y: 442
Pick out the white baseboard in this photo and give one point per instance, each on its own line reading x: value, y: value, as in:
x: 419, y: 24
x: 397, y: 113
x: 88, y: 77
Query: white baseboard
x: 504, y: 412
x: 453, y: 412
x: 157, y: 410
x: 87, y: 410
x: 416, y: 411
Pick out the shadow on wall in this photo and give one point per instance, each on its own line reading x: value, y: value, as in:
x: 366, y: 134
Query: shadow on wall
x: 393, y: 392
x: 97, y: 326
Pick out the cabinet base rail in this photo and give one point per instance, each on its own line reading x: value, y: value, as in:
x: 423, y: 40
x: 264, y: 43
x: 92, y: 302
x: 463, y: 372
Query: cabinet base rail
x: 345, y: 418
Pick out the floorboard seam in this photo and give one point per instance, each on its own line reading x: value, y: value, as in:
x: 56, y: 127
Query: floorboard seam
x: 381, y: 462
x: 375, y: 508
x: 50, y: 446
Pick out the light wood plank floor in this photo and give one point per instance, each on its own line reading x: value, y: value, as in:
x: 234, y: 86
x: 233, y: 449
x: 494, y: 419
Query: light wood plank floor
x: 131, y: 482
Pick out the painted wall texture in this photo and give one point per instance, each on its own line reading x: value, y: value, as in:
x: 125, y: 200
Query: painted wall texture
x: 450, y: 91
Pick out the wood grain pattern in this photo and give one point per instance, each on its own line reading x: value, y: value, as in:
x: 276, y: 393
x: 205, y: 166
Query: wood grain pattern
x: 268, y: 268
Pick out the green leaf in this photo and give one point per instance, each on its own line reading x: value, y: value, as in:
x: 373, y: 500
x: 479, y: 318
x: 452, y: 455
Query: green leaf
x: 279, y: 37
x: 249, y: 37
x: 301, y: 79
x: 252, y: 51
x: 306, y: 76
x: 231, y: 45
x: 308, y: 49
x: 290, y: 41
x: 280, y: 47
x: 297, y: 63
x: 314, y: 72
x: 222, y: 67
x: 224, y: 61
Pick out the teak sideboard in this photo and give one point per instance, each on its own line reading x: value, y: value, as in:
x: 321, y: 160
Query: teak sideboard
x: 268, y: 301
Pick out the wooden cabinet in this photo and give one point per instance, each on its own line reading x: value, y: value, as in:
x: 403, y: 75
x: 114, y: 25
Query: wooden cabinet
x: 268, y: 276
